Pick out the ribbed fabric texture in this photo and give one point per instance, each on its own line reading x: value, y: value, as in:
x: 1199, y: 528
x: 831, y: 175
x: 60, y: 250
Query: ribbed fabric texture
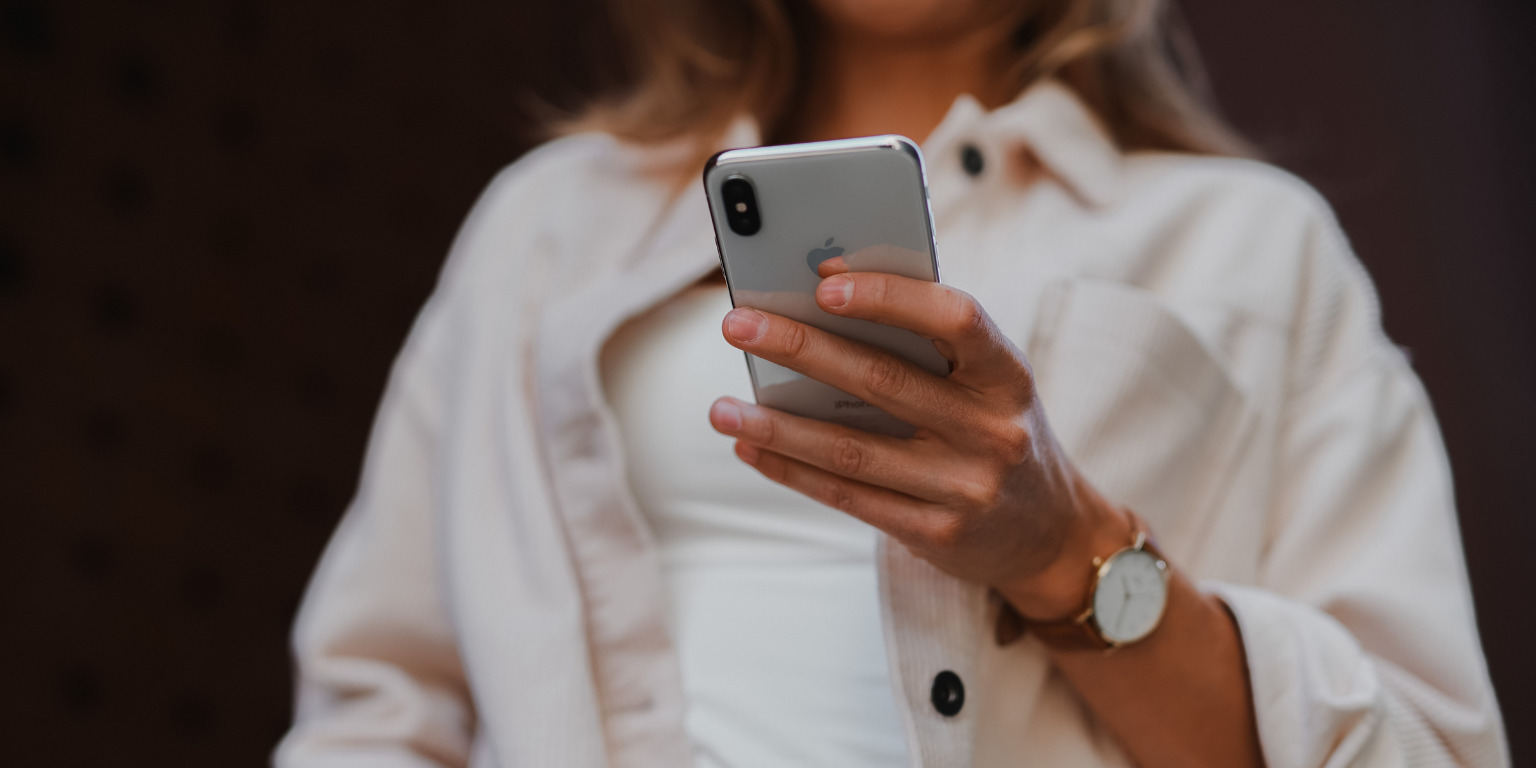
x: 934, y: 623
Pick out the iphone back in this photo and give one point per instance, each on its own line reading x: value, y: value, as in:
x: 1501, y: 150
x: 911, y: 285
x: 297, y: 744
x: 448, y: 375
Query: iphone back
x: 780, y: 211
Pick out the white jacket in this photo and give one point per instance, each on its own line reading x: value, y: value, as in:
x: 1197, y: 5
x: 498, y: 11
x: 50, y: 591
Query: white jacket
x: 1207, y: 349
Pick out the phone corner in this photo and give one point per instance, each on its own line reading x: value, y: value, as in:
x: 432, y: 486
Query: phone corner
x: 907, y: 146
x: 710, y: 164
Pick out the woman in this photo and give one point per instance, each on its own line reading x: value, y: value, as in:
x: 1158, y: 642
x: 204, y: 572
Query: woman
x: 552, y: 560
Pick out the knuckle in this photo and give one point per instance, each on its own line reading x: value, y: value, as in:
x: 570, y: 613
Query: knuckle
x: 966, y: 317
x: 1011, y: 443
x: 886, y: 376
x: 764, y: 430
x: 847, y: 456
x: 840, y: 497
x: 944, y: 532
x: 794, y: 340
x: 1026, y: 386
x: 875, y: 290
x: 980, y: 491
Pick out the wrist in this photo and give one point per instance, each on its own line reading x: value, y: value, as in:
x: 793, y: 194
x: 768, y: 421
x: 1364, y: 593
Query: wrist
x: 1060, y: 590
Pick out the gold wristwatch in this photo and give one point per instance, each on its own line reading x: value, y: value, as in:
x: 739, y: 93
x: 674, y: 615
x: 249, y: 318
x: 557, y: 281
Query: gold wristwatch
x: 1125, y: 601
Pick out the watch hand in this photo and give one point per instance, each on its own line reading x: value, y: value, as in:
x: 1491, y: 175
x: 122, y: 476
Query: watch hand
x: 1126, y: 611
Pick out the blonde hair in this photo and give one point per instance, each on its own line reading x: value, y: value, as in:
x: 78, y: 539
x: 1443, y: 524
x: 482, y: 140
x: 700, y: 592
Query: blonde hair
x: 699, y: 63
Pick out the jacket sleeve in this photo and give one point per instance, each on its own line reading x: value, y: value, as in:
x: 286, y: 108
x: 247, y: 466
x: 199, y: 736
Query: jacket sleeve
x: 379, y: 676
x: 382, y: 676
x: 380, y: 681
x: 1360, y: 638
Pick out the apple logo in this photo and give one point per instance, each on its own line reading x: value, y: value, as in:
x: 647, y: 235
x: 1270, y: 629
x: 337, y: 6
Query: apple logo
x: 818, y: 255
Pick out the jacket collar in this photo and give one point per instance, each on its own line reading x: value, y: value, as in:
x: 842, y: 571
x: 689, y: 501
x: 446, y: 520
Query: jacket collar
x: 1047, y: 120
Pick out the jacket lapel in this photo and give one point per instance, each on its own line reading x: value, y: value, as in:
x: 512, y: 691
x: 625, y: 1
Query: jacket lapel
x: 634, y: 664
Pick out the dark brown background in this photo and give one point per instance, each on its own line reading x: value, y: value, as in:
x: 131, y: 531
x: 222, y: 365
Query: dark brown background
x: 218, y: 218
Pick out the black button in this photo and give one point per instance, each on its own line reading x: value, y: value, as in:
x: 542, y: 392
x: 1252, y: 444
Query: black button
x: 971, y: 160
x: 948, y: 694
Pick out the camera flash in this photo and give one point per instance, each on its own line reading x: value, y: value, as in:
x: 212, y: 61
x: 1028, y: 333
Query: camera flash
x: 741, y: 207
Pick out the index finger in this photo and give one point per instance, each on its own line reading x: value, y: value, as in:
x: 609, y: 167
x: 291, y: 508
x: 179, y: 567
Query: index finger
x: 890, y: 383
x: 952, y: 318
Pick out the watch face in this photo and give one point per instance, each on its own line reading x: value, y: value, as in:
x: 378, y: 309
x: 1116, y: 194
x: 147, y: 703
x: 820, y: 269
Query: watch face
x: 1130, y: 597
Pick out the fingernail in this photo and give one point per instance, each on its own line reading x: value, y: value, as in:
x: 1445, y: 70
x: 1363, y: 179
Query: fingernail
x: 744, y: 324
x: 747, y: 452
x: 834, y: 291
x: 726, y: 415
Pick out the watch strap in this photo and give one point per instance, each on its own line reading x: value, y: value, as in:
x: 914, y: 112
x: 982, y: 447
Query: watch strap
x: 1074, y: 634
x: 1077, y: 633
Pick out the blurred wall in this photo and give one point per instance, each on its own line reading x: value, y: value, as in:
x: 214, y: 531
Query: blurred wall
x: 217, y: 219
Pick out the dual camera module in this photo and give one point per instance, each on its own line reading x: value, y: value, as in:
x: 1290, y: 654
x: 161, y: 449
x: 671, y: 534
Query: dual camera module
x: 741, y: 206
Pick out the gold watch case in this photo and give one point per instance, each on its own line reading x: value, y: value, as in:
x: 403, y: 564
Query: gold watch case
x: 1116, y: 566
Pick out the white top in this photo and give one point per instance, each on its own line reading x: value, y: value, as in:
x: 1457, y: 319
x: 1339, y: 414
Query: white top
x: 772, y: 598
x: 1207, y: 349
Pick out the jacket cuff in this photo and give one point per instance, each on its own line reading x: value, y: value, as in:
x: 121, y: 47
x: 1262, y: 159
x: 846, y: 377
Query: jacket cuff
x: 1315, y: 691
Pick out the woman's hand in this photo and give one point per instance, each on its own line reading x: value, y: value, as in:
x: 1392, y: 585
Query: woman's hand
x: 981, y: 490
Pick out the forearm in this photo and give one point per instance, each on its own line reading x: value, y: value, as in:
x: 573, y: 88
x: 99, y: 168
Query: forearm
x: 1180, y: 697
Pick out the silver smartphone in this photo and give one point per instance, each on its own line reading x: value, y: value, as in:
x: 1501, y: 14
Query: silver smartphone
x: 780, y: 211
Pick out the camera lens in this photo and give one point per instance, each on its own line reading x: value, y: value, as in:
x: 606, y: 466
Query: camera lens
x: 740, y: 206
